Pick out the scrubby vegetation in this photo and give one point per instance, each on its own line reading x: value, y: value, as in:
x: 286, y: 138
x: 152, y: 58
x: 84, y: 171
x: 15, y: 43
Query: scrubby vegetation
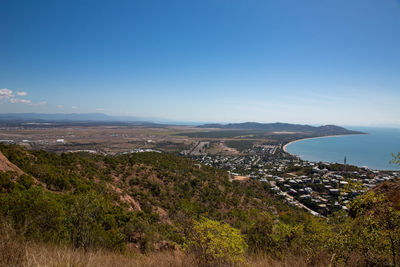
x: 222, y: 134
x: 152, y: 202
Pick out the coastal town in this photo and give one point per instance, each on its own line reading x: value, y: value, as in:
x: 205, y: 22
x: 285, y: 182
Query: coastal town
x: 320, y: 188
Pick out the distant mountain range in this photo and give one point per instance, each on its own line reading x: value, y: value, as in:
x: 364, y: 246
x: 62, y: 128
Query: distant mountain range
x: 85, y: 118
x: 62, y: 117
x: 283, y: 127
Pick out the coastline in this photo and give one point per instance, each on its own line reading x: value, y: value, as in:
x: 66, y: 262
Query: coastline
x: 339, y: 135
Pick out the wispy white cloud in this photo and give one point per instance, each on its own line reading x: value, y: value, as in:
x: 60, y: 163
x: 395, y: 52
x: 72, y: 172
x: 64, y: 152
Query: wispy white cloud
x: 6, y: 93
x: 60, y: 106
x: 15, y: 97
x: 22, y: 93
x: 74, y: 107
x: 19, y: 100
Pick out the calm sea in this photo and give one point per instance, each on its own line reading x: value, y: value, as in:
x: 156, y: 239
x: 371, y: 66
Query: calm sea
x: 373, y: 149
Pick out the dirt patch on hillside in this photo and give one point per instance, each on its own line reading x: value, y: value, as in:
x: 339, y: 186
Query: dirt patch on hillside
x: 6, y: 165
x: 240, y: 178
x: 134, y: 205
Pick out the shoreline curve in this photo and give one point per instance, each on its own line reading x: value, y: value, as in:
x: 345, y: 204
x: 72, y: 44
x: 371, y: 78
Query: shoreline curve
x: 285, y: 146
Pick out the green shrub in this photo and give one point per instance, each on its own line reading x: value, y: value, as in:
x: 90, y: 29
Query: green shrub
x: 260, y: 234
x: 213, y: 242
x: 26, y: 180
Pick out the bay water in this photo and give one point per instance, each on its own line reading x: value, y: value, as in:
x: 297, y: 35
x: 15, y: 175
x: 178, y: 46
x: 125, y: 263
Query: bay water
x: 373, y: 149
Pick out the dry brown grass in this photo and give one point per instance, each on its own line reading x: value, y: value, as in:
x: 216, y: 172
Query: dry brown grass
x: 12, y: 248
x: 47, y: 255
x: 286, y: 261
x: 15, y: 251
x: 19, y: 253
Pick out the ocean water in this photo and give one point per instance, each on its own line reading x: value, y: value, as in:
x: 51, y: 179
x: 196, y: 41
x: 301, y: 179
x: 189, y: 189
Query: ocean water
x: 373, y: 149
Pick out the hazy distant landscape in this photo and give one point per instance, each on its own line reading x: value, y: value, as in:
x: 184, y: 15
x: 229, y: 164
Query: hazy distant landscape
x: 98, y: 132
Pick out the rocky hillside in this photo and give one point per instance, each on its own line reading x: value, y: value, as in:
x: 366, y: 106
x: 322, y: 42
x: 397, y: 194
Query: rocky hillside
x: 6, y: 165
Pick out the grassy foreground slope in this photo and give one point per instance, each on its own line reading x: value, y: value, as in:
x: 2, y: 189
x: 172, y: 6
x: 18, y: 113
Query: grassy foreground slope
x: 81, y: 204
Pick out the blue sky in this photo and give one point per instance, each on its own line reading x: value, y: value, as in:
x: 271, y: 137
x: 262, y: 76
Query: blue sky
x: 311, y: 61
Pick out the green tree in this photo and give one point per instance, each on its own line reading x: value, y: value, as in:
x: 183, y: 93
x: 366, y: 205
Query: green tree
x: 92, y: 224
